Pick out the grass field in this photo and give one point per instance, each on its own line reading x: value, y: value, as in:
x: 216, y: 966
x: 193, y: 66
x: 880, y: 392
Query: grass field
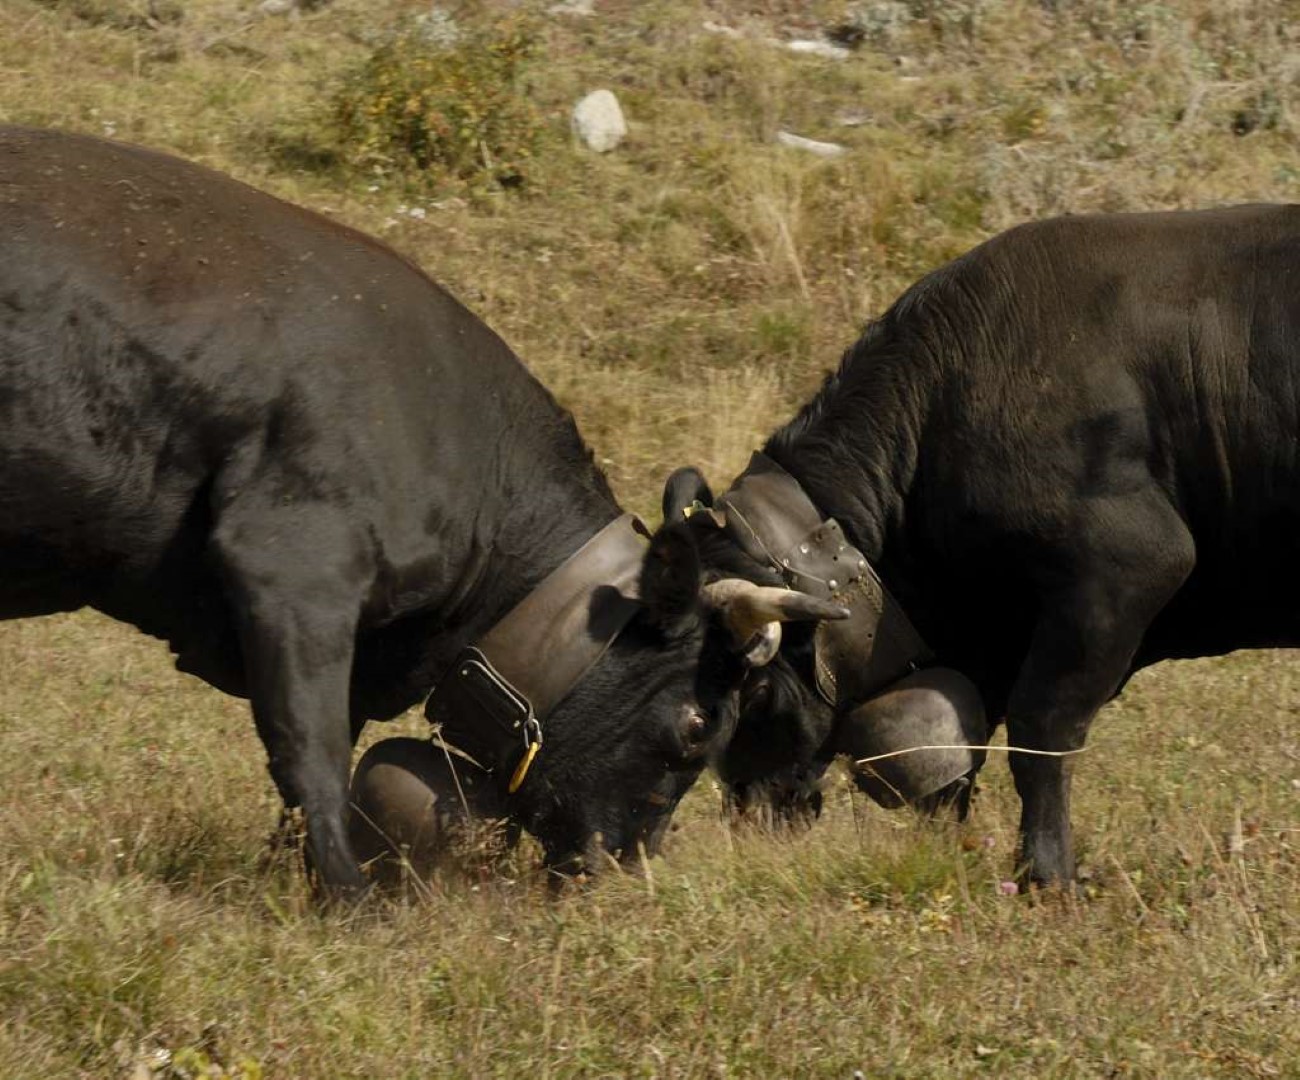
x: 681, y: 295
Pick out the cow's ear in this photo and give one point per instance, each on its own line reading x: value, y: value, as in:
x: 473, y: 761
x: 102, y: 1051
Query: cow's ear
x: 670, y: 580
x: 684, y: 489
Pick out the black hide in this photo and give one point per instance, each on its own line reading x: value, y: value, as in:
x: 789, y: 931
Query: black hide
x: 1070, y: 453
x: 276, y: 444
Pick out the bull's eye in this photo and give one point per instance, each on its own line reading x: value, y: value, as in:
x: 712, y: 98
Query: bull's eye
x: 758, y: 696
x: 697, y: 726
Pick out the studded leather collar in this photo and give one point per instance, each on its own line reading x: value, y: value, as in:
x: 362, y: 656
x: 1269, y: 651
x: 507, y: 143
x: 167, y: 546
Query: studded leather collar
x: 772, y: 519
x: 492, y: 703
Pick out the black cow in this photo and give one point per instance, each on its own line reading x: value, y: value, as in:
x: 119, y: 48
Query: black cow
x: 1070, y: 453
x: 274, y: 443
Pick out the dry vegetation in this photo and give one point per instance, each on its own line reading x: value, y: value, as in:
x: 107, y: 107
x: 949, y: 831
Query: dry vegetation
x: 681, y: 295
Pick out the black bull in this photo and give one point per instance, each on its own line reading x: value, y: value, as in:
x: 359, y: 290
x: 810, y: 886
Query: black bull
x: 275, y: 444
x: 1070, y: 453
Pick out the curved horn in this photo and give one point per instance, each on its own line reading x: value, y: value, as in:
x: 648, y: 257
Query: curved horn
x: 753, y: 613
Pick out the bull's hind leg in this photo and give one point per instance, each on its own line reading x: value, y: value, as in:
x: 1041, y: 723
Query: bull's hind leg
x: 1121, y: 569
x: 295, y: 583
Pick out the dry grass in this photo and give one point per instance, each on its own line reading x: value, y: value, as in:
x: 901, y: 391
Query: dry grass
x: 136, y: 914
x: 681, y: 295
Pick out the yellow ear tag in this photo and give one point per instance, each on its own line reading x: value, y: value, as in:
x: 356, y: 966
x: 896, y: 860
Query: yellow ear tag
x: 521, y: 770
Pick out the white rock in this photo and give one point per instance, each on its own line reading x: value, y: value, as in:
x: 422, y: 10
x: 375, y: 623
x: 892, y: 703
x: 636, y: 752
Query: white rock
x: 573, y: 7
x: 277, y: 7
x: 438, y: 28
x: 719, y: 28
x: 598, y: 121
x: 812, y: 146
x: 824, y: 49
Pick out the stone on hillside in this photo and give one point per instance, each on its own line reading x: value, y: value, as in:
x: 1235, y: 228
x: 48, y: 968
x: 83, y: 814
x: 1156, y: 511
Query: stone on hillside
x: 573, y: 7
x: 824, y: 49
x: 438, y: 28
x: 289, y: 7
x: 811, y: 146
x: 882, y: 23
x: 720, y: 28
x: 598, y: 121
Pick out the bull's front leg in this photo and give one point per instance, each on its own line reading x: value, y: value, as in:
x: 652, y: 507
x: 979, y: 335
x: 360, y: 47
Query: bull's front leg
x: 297, y: 612
x: 1122, y: 571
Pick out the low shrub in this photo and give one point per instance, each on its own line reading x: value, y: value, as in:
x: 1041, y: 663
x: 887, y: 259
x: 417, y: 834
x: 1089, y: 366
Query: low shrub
x: 438, y: 103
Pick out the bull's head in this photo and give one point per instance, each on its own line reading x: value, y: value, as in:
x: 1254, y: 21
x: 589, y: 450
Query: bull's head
x: 637, y: 731
x: 924, y: 728
x: 772, y: 767
x: 780, y: 744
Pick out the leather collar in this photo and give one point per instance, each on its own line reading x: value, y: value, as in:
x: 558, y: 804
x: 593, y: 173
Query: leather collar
x: 772, y: 519
x: 491, y: 704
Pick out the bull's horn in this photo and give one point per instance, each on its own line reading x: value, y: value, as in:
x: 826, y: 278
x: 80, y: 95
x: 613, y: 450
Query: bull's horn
x: 753, y: 614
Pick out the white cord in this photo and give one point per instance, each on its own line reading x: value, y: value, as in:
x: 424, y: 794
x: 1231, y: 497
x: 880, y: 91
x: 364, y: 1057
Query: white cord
x: 967, y: 746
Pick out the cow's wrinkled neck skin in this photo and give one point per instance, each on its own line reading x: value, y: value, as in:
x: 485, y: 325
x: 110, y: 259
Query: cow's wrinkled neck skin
x: 537, y: 519
x: 529, y: 521
x: 856, y: 448
x: 853, y: 447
